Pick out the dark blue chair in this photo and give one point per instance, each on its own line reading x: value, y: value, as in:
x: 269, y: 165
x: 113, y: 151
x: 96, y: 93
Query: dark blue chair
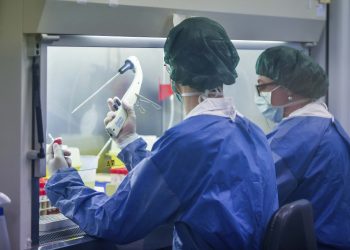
x: 291, y: 228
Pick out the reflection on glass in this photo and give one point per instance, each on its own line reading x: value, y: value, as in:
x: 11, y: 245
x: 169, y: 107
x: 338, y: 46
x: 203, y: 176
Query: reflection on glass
x: 74, y: 73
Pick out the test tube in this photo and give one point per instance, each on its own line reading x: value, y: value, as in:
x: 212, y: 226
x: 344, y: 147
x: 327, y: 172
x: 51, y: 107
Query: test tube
x: 42, y: 201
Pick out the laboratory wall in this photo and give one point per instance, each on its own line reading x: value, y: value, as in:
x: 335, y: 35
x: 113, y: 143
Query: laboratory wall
x: 15, y: 110
x: 339, y: 61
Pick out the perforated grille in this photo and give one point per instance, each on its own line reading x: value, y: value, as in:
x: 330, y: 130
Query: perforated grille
x: 59, y: 235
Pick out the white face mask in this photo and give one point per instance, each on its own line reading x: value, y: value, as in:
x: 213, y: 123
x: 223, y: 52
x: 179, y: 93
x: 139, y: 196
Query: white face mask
x: 273, y: 113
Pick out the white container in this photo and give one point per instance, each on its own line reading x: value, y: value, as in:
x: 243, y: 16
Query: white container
x: 88, y: 168
x: 4, y: 236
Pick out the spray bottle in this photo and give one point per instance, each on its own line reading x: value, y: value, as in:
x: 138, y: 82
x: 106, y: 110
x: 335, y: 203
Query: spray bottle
x: 4, y: 236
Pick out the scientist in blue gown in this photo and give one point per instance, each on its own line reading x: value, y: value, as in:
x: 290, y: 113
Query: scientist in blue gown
x: 310, y: 148
x: 213, y: 172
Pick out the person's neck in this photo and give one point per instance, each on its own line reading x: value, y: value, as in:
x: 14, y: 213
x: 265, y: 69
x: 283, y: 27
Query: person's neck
x: 290, y: 109
x: 190, y: 102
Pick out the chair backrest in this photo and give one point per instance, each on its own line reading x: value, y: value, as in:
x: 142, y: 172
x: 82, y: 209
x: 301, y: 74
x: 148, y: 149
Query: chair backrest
x: 291, y: 227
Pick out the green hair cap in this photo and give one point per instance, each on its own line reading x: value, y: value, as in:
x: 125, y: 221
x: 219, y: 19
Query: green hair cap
x: 293, y: 70
x: 200, y: 54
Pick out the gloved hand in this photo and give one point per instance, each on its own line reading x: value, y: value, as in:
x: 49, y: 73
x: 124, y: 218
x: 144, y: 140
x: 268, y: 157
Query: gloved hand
x: 57, y: 158
x: 128, y: 132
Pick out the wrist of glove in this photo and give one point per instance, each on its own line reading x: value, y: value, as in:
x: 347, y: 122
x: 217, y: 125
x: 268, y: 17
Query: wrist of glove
x: 127, y: 140
x: 57, y: 158
x: 128, y: 132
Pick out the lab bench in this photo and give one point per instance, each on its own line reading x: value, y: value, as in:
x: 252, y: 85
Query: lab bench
x: 160, y: 238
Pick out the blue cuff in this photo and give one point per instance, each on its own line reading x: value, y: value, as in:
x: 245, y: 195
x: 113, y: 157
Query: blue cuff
x: 133, y: 153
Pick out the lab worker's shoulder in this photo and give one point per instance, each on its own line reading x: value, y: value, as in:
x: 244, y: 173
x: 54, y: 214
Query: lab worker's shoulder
x: 247, y: 125
x: 171, y: 137
x: 298, y: 137
x: 192, y: 133
x: 333, y: 153
x: 300, y: 128
x: 336, y: 139
x: 175, y: 150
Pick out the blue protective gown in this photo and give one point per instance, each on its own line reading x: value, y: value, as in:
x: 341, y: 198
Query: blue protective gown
x: 312, y: 158
x: 213, y: 173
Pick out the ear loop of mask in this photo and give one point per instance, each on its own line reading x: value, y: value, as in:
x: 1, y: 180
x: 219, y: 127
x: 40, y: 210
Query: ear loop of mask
x: 190, y: 94
x: 175, y: 91
x: 213, y: 93
x: 291, y: 103
x: 275, y: 88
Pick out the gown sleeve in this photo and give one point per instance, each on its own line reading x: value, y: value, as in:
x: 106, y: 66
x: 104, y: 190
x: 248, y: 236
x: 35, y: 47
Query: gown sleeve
x: 142, y: 202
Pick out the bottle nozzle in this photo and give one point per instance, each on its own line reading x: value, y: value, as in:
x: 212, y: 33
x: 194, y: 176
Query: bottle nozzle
x: 127, y: 65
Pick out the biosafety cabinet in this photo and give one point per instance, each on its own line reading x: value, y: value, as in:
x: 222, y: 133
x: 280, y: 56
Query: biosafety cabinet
x: 56, y: 53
